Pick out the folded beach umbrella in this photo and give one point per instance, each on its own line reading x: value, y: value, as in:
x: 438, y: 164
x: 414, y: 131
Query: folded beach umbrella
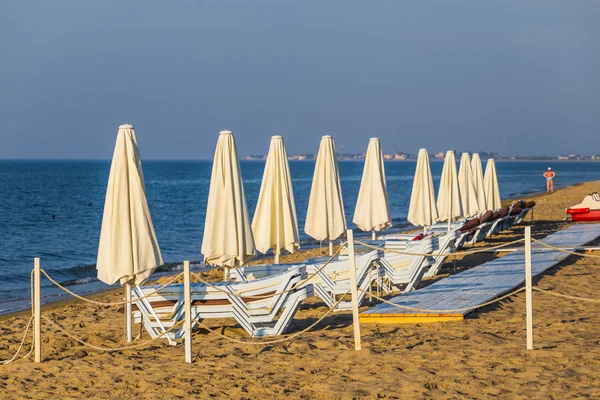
x: 228, y: 240
x: 275, y: 225
x: 478, y: 182
x: 128, y: 251
x: 372, y: 212
x: 466, y: 185
x: 448, y: 201
x: 422, y: 210
x: 490, y: 183
x: 325, y: 218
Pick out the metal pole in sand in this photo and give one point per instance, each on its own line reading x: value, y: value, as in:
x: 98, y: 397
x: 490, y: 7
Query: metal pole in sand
x: 187, y: 297
x: 528, y: 291
x: 353, y: 289
x: 128, y: 312
x: 37, y: 311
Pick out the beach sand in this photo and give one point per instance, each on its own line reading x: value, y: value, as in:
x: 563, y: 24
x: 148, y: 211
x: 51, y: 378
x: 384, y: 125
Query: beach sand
x: 482, y: 356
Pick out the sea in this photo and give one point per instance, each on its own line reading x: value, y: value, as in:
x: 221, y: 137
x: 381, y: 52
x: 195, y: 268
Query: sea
x: 53, y: 210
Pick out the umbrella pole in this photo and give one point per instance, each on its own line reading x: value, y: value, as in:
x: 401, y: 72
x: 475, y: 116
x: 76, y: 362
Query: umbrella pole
x: 330, y: 248
x: 276, y: 258
x: 225, y: 274
x: 128, y: 327
x: 373, y: 235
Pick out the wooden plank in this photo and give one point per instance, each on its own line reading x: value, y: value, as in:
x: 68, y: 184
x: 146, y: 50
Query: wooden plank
x: 480, y: 284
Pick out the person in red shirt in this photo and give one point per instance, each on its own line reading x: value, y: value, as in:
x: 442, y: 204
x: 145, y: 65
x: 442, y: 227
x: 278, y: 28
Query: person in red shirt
x: 549, y: 175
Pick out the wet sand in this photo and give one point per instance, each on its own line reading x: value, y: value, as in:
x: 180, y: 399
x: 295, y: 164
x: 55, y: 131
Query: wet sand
x: 482, y: 356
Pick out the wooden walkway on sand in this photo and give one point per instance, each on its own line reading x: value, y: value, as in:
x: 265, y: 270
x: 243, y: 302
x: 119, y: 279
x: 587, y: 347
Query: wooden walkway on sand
x: 480, y: 284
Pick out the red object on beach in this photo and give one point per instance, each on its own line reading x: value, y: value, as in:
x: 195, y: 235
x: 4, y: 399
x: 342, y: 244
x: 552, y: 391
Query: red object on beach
x: 587, y: 210
x: 420, y: 236
x: 584, y: 214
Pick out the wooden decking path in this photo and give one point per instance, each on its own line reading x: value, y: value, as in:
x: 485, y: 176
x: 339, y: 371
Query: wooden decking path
x: 480, y: 284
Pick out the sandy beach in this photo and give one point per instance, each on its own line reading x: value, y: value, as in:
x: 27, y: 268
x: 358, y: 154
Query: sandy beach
x: 482, y: 356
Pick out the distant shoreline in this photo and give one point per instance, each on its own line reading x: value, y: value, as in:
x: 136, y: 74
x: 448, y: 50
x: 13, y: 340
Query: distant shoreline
x: 242, y: 159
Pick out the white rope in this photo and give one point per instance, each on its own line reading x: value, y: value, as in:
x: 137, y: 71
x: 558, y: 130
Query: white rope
x: 564, y: 250
x: 566, y: 296
x: 110, y: 303
x: 84, y: 343
x: 262, y: 297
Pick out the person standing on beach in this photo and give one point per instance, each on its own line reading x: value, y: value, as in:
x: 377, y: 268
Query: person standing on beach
x: 549, y: 175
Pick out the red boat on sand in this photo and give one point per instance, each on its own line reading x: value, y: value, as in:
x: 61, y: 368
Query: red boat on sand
x: 588, y: 210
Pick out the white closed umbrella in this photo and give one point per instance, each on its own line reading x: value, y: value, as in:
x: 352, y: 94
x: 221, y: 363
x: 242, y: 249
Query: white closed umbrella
x: 275, y: 225
x: 228, y: 240
x: 490, y: 183
x: 478, y: 182
x: 128, y: 251
x: 325, y: 218
x: 423, y: 209
x: 466, y: 185
x: 372, y: 212
x: 448, y: 201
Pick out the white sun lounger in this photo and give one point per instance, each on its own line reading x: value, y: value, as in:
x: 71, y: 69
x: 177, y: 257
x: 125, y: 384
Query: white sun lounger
x: 446, y: 243
x: 269, y: 314
x: 405, y: 271
x: 330, y: 282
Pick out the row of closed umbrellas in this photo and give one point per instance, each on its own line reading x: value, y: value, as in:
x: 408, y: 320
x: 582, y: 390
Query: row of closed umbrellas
x: 129, y: 252
x: 464, y: 194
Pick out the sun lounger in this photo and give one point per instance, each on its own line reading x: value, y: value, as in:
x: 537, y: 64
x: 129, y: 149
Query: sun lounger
x: 405, y: 271
x: 266, y: 306
x: 331, y: 281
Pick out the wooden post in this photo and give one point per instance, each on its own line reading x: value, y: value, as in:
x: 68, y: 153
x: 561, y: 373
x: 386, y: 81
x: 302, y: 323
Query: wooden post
x: 128, y: 312
x: 37, y: 311
x: 330, y: 248
x: 187, y: 298
x: 353, y: 289
x: 528, y: 291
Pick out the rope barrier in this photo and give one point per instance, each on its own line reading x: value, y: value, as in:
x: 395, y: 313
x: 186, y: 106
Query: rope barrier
x: 564, y: 250
x: 258, y: 297
x: 84, y: 343
x: 110, y: 303
x: 14, y: 357
x: 566, y: 296
x: 433, y: 254
x: 262, y: 297
x: 446, y: 311
x: 284, y: 339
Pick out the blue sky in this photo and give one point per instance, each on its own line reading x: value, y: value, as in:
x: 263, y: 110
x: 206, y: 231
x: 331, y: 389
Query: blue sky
x: 435, y: 74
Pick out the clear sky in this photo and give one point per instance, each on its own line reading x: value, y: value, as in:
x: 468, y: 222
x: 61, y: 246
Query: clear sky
x: 435, y: 74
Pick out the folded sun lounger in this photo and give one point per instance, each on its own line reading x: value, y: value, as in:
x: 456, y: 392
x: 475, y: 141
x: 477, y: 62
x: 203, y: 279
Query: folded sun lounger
x: 262, y: 306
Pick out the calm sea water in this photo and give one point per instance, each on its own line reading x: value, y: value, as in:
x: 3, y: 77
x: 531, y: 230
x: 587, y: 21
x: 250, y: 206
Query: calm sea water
x: 53, y: 210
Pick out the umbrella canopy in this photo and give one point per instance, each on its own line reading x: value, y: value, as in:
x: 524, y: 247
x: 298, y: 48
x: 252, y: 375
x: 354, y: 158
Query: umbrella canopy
x: 468, y: 194
x: 448, y: 201
x: 490, y: 183
x: 275, y: 225
x: 228, y: 239
x: 128, y: 251
x: 325, y: 218
x: 478, y: 182
x: 372, y: 212
x: 422, y: 210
